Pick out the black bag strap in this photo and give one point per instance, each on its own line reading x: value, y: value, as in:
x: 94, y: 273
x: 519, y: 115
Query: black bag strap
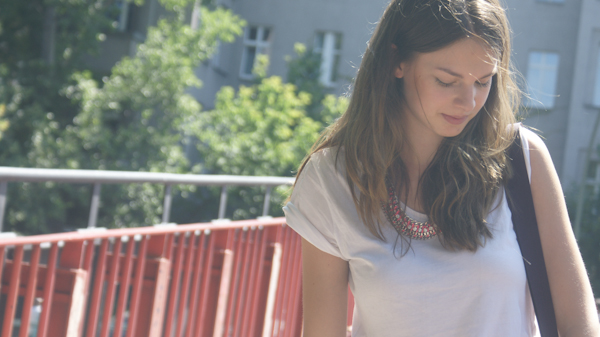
x: 528, y: 236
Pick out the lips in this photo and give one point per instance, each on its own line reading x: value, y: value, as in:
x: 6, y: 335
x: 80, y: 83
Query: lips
x: 455, y: 120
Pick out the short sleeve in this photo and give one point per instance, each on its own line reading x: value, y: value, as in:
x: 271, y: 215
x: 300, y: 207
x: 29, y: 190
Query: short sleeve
x: 312, y: 205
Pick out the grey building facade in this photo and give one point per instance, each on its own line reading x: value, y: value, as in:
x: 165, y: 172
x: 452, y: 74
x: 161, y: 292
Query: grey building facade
x: 556, y: 52
x: 584, y: 105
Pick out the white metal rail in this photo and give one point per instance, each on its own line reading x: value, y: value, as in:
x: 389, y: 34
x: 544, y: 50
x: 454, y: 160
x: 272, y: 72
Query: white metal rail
x: 99, y: 177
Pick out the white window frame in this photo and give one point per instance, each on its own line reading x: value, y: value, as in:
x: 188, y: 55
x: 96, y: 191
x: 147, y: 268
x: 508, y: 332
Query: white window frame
x: 121, y: 23
x: 330, y: 51
x: 596, y: 92
x: 260, y: 45
x: 542, y: 76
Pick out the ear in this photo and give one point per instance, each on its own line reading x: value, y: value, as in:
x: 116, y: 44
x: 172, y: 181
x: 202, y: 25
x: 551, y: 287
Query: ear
x: 398, y: 73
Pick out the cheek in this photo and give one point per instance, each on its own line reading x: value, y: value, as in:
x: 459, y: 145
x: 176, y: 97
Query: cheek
x: 482, y: 97
x: 430, y: 94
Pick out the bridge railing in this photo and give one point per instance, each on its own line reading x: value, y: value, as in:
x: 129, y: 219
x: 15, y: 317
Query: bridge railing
x: 100, y: 177
x: 239, y: 278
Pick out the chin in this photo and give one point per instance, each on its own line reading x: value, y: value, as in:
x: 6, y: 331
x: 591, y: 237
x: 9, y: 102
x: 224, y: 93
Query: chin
x: 451, y: 133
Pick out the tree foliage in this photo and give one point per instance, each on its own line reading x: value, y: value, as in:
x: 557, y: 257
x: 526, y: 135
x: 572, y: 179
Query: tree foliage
x: 33, y: 71
x: 589, y: 234
x: 304, y: 71
x: 131, y: 120
x: 140, y: 116
x: 262, y: 129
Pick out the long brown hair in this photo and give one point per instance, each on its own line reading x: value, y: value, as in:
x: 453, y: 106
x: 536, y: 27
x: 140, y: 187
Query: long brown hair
x: 461, y: 182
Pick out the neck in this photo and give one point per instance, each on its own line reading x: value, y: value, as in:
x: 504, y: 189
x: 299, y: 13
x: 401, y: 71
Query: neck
x: 417, y: 154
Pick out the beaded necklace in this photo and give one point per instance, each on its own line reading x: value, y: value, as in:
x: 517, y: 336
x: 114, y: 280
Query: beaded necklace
x: 403, y: 224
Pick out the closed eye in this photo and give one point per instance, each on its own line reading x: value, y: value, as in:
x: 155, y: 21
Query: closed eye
x: 485, y: 84
x: 443, y: 84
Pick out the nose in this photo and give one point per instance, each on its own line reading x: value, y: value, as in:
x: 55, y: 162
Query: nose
x: 465, y: 98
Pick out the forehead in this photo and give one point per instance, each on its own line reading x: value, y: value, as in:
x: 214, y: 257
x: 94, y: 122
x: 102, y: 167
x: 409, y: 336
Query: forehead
x: 465, y: 57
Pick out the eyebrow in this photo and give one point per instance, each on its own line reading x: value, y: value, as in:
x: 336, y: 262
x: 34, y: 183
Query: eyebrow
x: 459, y: 75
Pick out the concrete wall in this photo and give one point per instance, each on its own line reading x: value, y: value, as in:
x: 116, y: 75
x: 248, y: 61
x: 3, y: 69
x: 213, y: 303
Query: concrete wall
x: 581, y: 114
x: 547, y: 27
x: 291, y: 22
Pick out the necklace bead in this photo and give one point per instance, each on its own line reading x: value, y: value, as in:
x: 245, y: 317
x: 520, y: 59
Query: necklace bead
x: 403, y: 224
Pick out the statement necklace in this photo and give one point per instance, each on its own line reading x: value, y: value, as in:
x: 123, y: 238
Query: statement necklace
x: 403, y: 224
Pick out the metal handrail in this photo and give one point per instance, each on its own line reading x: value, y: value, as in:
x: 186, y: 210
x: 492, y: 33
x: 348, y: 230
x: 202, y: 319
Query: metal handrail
x: 84, y: 234
x: 99, y: 177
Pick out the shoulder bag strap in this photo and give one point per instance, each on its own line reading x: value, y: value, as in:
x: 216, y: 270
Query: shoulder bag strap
x: 526, y: 228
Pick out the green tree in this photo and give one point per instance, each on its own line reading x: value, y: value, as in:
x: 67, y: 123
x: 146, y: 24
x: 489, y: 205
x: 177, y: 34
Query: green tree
x: 134, y: 122
x: 589, y: 236
x: 263, y: 129
x: 36, y: 62
x: 3, y: 122
x: 131, y: 120
x: 304, y: 71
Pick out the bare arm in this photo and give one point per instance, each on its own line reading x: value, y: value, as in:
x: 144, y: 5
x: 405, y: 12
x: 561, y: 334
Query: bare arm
x: 571, y: 291
x: 325, y: 292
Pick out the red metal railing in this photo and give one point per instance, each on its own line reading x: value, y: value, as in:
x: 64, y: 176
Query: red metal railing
x: 239, y: 278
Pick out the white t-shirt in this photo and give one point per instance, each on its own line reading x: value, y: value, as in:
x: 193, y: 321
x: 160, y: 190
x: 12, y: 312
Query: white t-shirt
x: 428, y: 292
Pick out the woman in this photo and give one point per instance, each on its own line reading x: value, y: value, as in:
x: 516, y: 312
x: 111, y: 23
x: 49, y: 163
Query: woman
x: 403, y: 197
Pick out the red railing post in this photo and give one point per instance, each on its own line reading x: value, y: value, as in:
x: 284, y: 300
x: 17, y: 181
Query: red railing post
x: 195, y: 287
x: 223, y: 294
x: 174, y: 288
x: 234, y: 283
x: 294, y: 271
x: 2, y: 264
x: 273, y: 281
x: 124, y: 282
x: 251, y: 306
x: 87, y: 266
x: 183, y: 294
x: 244, y: 295
x: 203, y: 324
x: 71, y: 255
x: 72, y: 259
x: 13, y: 292
x: 111, y: 287
x: 137, y: 287
x: 48, y: 292
x: 30, y: 292
x: 94, y: 310
x: 151, y: 311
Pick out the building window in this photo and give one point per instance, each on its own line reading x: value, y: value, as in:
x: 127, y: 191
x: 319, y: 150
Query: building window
x: 119, y: 13
x: 553, y: 1
x: 329, y: 46
x: 542, y: 73
x: 596, y: 97
x: 256, y: 42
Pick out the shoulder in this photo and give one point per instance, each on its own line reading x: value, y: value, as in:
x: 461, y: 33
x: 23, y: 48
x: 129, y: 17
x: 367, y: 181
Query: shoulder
x: 536, y: 151
x: 533, y: 139
x: 324, y: 164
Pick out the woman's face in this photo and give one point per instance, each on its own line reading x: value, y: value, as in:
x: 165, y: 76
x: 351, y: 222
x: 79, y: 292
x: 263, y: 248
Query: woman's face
x: 445, y: 89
